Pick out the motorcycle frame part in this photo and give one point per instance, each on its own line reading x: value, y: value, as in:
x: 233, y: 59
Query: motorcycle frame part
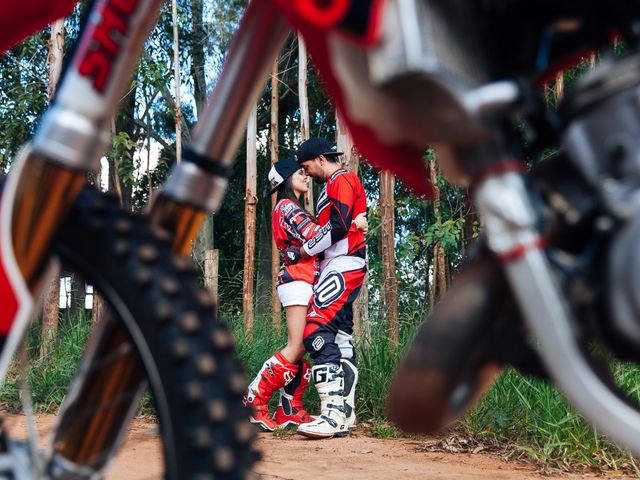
x: 420, y: 36
x: 108, y: 386
x: 16, y: 460
x: 410, y: 87
x: 43, y: 194
x: 34, y: 199
x: 510, y: 226
x: 196, y: 186
x: 451, y: 360
x: 50, y: 173
x: 622, y: 288
x: 601, y: 139
x: 602, y: 131
x: 182, y: 221
x: 420, y: 85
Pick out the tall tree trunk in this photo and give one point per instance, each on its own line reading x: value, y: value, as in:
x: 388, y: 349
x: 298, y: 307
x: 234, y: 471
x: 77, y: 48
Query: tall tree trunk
x: 211, y: 265
x: 304, y: 108
x: 205, y: 242
x: 276, y: 308
x: 149, y: 179
x: 351, y: 160
x: 96, y: 306
x: 469, y: 221
x: 439, y: 254
x: 427, y: 280
x: 442, y: 271
x: 434, y: 277
x: 251, y: 201
x: 56, y: 51
x: 50, y: 315
x: 361, y: 321
x: 51, y: 309
x: 198, y: 38
x: 559, y: 87
x: 389, y: 280
x: 113, y: 183
x: 176, y: 79
x: 263, y: 269
x: 344, y: 143
x: 124, y: 122
x: 77, y: 291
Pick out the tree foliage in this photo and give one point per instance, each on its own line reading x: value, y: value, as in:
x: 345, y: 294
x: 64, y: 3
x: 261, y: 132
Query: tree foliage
x: 146, y: 117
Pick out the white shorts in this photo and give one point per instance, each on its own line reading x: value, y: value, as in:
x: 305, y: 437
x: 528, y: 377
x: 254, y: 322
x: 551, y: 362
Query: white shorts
x: 295, y: 293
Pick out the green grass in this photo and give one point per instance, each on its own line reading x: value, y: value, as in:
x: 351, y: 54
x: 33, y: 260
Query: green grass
x: 534, y: 419
x: 49, y: 376
x: 380, y: 428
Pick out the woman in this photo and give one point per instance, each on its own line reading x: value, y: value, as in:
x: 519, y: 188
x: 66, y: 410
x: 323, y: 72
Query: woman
x: 286, y: 370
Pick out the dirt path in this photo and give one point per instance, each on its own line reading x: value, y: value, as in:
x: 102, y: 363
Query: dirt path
x: 361, y: 457
x: 293, y: 457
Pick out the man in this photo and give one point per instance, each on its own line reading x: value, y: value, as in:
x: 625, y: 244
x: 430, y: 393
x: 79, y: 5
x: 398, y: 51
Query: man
x: 342, y: 251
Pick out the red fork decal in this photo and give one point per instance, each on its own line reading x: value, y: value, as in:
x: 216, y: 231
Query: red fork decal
x: 324, y: 13
x: 98, y: 52
x: 15, y: 300
x: 520, y: 250
x: 8, y: 302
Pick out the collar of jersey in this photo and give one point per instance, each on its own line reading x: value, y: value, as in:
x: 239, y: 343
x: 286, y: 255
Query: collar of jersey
x: 338, y: 172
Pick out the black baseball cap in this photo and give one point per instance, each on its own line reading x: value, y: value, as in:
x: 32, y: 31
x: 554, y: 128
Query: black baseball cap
x: 314, y: 147
x: 280, y: 171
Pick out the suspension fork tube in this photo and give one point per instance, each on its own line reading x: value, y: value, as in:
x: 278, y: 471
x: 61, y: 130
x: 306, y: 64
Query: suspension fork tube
x: 72, y: 139
x: 105, y: 395
x: 48, y: 174
x: 197, y: 185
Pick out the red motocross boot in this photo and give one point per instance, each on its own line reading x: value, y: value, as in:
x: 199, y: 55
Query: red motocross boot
x: 275, y: 373
x: 291, y: 413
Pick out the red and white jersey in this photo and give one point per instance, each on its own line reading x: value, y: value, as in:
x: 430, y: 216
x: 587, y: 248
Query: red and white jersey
x: 292, y: 226
x: 341, y: 200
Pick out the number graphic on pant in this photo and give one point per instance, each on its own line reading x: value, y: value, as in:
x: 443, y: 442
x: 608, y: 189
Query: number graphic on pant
x: 329, y: 290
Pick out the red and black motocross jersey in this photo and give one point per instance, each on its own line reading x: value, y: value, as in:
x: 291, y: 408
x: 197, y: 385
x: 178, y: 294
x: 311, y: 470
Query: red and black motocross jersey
x: 292, y: 227
x: 341, y: 200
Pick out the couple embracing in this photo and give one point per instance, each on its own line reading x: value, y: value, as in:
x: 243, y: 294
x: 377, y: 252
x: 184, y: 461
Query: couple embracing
x: 324, y: 259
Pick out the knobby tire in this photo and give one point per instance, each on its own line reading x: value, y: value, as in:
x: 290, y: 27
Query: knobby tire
x: 187, y: 353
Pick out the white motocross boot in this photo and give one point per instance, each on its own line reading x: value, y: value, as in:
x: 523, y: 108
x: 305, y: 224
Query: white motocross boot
x: 329, y: 380
x: 350, y: 382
